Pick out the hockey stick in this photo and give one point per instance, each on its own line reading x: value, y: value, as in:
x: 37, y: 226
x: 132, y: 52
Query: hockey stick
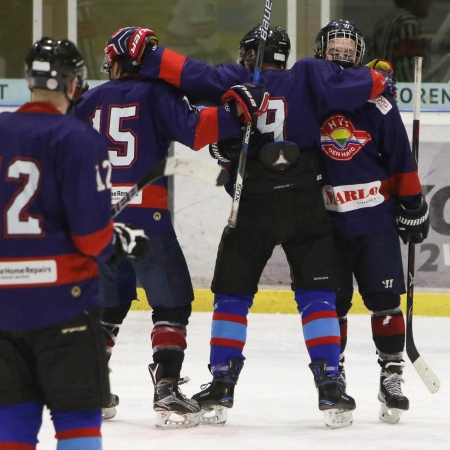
x: 203, y: 170
x: 243, y: 156
x: 426, y: 374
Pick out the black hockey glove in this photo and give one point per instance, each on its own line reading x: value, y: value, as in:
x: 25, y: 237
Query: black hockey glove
x: 252, y: 98
x: 130, y: 242
x: 229, y: 150
x: 413, y: 224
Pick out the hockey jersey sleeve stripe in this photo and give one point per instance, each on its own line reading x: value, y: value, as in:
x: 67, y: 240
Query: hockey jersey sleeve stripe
x: 406, y: 184
x: 379, y: 83
x: 171, y: 67
x: 207, y: 129
x: 93, y: 244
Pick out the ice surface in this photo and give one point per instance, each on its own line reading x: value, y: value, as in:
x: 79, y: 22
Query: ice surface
x: 275, y: 399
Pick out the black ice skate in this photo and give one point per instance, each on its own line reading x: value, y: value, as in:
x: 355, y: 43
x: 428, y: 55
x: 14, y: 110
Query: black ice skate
x: 110, y: 411
x: 393, y: 402
x: 173, y: 409
x: 333, y: 400
x: 216, y: 397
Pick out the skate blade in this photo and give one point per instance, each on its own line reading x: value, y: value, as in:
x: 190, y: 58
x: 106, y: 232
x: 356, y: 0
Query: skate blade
x: 390, y: 415
x: 109, y: 413
x: 169, y: 420
x: 338, y: 418
x: 214, y: 416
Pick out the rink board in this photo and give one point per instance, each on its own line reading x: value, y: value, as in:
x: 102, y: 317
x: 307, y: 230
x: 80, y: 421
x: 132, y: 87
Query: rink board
x: 282, y: 302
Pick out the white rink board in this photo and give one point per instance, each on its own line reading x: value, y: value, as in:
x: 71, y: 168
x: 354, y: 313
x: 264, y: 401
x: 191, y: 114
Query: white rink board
x: 202, y: 211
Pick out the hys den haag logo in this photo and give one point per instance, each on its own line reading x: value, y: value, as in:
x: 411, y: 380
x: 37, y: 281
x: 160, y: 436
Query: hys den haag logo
x: 340, y: 140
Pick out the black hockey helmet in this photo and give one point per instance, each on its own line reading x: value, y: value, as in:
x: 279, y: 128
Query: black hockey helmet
x: 52, y: 64
x: 346, y: 55
x: 277, y: 48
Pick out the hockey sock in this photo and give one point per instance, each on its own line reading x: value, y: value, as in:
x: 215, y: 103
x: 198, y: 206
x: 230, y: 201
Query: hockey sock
x: 19, y: 426
x: 111, y: 331
x: 169, y: 343
x: 388, y: 330
x: 228, y: 330
x: 112, y: 318
x: 320, y: 326
x: 343, y: 325
x: 78, y: 429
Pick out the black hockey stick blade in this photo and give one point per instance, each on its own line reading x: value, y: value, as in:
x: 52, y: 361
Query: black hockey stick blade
x: 202, y: 170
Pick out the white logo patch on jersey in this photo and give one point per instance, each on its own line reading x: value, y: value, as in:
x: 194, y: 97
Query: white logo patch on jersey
x: 352, y: 196
x: 117, y: 192
x: 382, y: 103
x: 28, y: 272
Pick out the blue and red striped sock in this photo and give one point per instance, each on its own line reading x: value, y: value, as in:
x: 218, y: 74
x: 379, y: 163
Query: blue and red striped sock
x: 320, y: 326
x: 229, y: 329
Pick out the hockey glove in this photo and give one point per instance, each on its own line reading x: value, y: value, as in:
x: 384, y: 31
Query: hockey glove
x: 130, y: 41
x: 230, y: 149
x: 413, y: 224
x: 381, y: 64
x: 130, y: 242
x: 385, y: 67
x: 252, y: 98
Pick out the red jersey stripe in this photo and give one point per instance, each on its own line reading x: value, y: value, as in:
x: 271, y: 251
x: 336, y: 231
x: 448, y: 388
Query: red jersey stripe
x: 406, y: 184
x: 379, y: 83
x: 207, y: 130
x: 94, y: 243
x: 71, y: 268
x: 171, y: 67
x: 152, y: 197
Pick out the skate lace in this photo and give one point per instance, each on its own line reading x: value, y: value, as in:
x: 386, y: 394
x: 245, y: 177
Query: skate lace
x: 393, y: 384
x: 205, y: 386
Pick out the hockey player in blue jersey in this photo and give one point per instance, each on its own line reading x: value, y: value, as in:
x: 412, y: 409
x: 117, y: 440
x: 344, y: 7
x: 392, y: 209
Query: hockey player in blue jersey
x: 279, y: 187
x: 140, y: 118
x: 55, y: 203
x: 372, y: 193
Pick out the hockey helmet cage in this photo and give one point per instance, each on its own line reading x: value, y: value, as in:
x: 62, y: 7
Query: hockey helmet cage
x: 52, y: 64
x: 277, y: 48
x: 345, y: 54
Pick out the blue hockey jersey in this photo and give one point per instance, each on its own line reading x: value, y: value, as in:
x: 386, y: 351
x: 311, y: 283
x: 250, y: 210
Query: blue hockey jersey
x: 56, y: 216
x: 361, y: 187
x: 368, y: 168
x: 140, y: 118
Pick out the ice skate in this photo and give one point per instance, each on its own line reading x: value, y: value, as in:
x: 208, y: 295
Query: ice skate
x: 393, y: 402
x: 333, y: 400
x: 217, y: 397
x: 110, y: 411
x: 173, y: 409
